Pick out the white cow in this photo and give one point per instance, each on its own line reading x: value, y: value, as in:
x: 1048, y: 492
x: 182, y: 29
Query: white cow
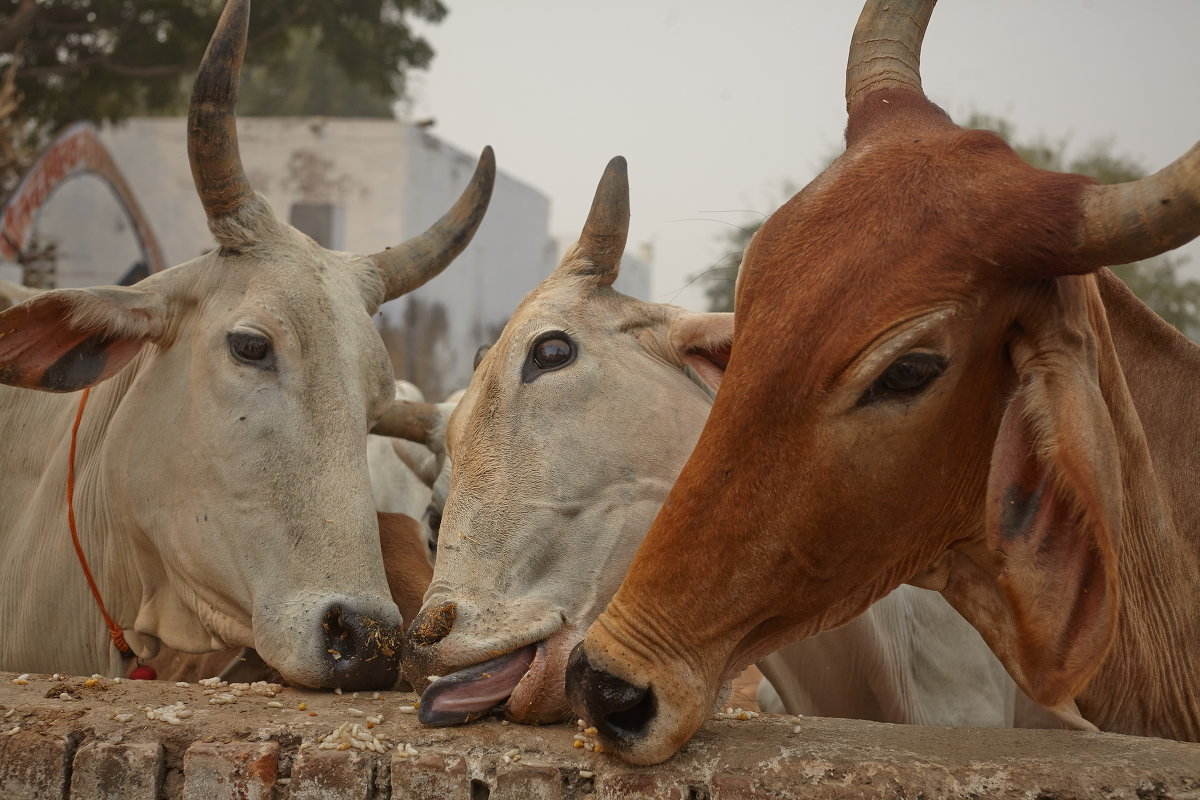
x: 221, y: 485
x: 570, y: 434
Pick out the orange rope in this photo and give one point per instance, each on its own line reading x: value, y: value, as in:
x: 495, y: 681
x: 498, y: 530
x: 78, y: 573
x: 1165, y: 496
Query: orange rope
x: 114, y: 630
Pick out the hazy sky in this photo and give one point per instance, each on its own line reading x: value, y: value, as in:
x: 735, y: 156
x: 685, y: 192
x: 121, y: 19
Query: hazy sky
x: 719, y: 105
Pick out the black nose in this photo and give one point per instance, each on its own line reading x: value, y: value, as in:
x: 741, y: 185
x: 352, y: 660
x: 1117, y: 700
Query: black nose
x: 361, y: 652
x: 619, y: 710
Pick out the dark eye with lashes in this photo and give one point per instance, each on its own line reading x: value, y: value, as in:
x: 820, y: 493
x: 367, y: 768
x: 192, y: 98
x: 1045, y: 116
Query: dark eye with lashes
x: 251, y: 348
x: 550, y: 351
x: 907, y: 377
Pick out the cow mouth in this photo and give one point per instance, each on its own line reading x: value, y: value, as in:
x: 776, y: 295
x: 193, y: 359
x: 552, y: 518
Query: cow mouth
x: 474, y: 691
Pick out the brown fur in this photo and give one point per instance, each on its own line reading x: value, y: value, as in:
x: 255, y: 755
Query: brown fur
x: 943, y: 236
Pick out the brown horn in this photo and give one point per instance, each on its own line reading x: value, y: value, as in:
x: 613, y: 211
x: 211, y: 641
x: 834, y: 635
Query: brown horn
x: 408, y: 265
x: 212, y: 131
x: 415, y: 422
x: 885, y: 52
x: 602, y: 241
x: 1127, y: 222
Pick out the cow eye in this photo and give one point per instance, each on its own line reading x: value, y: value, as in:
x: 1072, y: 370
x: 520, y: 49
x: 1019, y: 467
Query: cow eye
x: 908, y: 375
x: 550, y: 351
x: 253, y: 348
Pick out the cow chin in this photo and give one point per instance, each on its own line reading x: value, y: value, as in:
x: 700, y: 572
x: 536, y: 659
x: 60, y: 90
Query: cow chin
x: 332, y: 642
x: 541, y: 696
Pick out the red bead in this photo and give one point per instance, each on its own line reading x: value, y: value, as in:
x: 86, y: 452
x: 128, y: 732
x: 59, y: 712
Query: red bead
x: 143, y: 672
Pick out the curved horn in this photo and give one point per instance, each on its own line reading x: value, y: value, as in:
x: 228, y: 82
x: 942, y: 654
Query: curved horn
x: 408, y: 265
x: 1127, y: 222
x: 423, y: 423
x: 212, y: 132
x: 885, y: 52
x: 602, y: 241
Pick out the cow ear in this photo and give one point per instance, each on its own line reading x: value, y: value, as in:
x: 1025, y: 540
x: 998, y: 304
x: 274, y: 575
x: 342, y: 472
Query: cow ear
x: 703, y: 342
x: 1053, y: 512
x: 70, y: 339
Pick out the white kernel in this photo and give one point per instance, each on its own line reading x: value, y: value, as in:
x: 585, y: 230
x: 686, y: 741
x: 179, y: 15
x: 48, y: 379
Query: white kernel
x: 407, y: 709
x: 123, y: 717
x: 354, y: 712
x: 182, y: 684
x: 583, y: 773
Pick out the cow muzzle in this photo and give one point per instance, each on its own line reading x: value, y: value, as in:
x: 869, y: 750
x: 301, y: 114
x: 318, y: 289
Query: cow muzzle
x: 362, y: 650
x: 620, y: 711
x: 347, y: 642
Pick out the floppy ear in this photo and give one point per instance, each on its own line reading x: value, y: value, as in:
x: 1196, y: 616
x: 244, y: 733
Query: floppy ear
x: 69, y: 339
x: 703, y: 342
x: 1054, y: 511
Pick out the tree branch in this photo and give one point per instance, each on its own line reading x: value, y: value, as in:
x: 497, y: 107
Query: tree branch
x: 19, y: 26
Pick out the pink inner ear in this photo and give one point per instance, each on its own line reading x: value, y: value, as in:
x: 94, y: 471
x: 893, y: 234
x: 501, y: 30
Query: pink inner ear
x: 1054, y: 572
x: 709, y: 364
x: 39, y: 350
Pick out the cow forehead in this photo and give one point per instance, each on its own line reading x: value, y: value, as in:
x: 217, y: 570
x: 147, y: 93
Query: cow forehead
x: 893, y: 229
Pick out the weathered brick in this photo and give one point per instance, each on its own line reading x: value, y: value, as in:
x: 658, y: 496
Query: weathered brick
x: 332, y: 775
x: 103, y: 770
x: 736, y: 787
x: 34, y: 766
x: 640, y: 785
x: 440, y: 775
x: 527, y: 781
x: 237, y: 771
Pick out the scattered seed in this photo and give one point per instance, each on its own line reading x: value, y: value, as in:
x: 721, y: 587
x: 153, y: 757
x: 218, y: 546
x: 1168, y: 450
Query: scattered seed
x: 354, y: 712
x: 182, y: 684
x: 21, y: 680
x: 90, y: 682
x: 583, y: 773
x: 274, y: 704
x: 301, y: 706
x: 578, y: 743
x: 590, y: 731
x: 123, y: 717
x: 407, y: 709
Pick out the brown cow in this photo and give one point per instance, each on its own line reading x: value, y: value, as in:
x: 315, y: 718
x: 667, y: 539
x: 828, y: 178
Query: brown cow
x: 980, y: 409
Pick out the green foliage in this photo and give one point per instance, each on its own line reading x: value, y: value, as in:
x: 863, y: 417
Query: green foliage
x: 1156, y: 281
x: 104, y: 60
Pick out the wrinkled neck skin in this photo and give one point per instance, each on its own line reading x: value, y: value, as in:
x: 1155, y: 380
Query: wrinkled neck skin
x: 1147, y: 684
x: 47, y: 590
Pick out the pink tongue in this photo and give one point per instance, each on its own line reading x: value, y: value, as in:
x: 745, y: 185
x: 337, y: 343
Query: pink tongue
x: 479, y: 687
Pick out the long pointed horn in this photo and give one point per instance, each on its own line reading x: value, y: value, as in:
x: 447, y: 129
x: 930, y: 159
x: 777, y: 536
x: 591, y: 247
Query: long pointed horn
x: 407, y: 266
x: 602, y: 241
x: 212, y: 131
x: 885, y: 52
x: 1128, y: 222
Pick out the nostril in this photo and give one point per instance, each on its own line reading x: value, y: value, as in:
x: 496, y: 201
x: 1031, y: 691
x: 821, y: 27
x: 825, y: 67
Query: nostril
x: 339, y: 634
x: 635, y: 718
x: 617, y: 708
x: 430, y: 627
x: 361, y: 650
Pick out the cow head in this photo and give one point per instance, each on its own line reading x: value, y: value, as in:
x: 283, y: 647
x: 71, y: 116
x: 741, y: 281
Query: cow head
x: 946, y: 425
x: 234, y: 397
x: 564, y: 446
